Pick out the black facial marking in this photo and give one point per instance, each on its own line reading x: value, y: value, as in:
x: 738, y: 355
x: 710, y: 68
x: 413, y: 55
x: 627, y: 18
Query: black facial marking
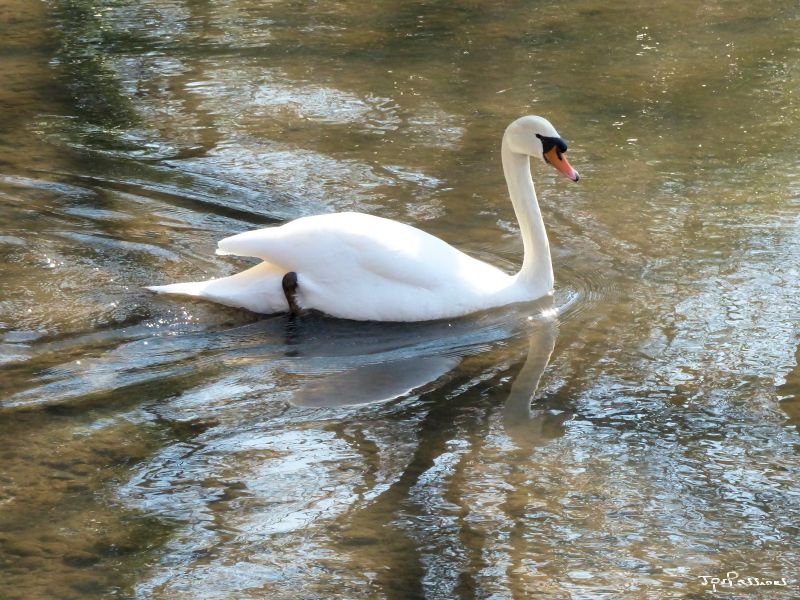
x: 548, y: 143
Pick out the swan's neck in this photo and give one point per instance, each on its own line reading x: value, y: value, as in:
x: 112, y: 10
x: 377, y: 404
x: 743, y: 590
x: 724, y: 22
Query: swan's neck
x: 537, y: 269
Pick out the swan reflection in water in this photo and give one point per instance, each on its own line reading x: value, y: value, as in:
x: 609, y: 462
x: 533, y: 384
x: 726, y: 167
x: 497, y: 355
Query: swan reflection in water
x: 525, y: 421
x: 528, y: 420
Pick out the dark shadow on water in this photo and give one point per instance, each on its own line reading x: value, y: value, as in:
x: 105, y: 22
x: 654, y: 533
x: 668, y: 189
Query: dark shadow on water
x: 93, y: 85
x: 374, y: 383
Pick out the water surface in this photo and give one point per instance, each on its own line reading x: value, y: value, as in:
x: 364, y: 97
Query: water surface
x: 635, y: 434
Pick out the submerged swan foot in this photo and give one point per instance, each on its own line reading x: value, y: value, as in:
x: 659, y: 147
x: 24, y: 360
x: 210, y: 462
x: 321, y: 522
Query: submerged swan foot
x: 289, y: 283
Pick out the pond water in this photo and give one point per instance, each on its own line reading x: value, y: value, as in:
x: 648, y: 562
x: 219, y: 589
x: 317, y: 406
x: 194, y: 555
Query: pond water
x: 633, y: 435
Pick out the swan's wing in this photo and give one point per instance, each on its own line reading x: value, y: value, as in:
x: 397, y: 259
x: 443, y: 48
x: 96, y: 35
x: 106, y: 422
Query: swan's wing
x: 258, y: 243
x: 348, y: 246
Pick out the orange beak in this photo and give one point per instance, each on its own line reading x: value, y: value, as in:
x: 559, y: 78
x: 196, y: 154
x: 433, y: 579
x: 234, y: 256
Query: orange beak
x: 559, y: 161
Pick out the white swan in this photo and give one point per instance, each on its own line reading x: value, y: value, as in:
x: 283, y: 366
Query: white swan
x: 362, y: 267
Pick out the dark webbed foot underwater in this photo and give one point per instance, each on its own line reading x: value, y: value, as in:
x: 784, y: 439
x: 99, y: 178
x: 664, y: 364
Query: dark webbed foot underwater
x: 289, y: 284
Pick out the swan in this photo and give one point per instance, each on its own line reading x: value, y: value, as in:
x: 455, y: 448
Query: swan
x: 363, y: 267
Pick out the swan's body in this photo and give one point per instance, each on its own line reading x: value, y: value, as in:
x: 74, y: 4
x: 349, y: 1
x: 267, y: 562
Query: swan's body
x: 357, y: 266
x: 363, y: 267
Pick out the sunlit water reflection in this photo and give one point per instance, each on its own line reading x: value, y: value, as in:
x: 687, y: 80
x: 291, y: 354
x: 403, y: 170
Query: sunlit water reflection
x: 634, y: 433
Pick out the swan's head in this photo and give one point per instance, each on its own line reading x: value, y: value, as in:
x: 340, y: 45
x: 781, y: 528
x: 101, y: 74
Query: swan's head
x: 535, y: 136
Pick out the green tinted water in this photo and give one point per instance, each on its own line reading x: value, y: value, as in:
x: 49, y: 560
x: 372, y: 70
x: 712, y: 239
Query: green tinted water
x: 155, y: 447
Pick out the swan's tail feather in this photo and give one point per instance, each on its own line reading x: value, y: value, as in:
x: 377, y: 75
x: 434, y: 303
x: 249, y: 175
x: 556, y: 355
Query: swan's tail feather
x: 257, y: 289
x: 192, y: 288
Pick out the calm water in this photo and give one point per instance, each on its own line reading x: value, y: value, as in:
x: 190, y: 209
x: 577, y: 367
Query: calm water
x: 635, y: 435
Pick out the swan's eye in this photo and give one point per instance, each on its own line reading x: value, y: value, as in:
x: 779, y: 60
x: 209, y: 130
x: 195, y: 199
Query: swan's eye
x: 548, y: 143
